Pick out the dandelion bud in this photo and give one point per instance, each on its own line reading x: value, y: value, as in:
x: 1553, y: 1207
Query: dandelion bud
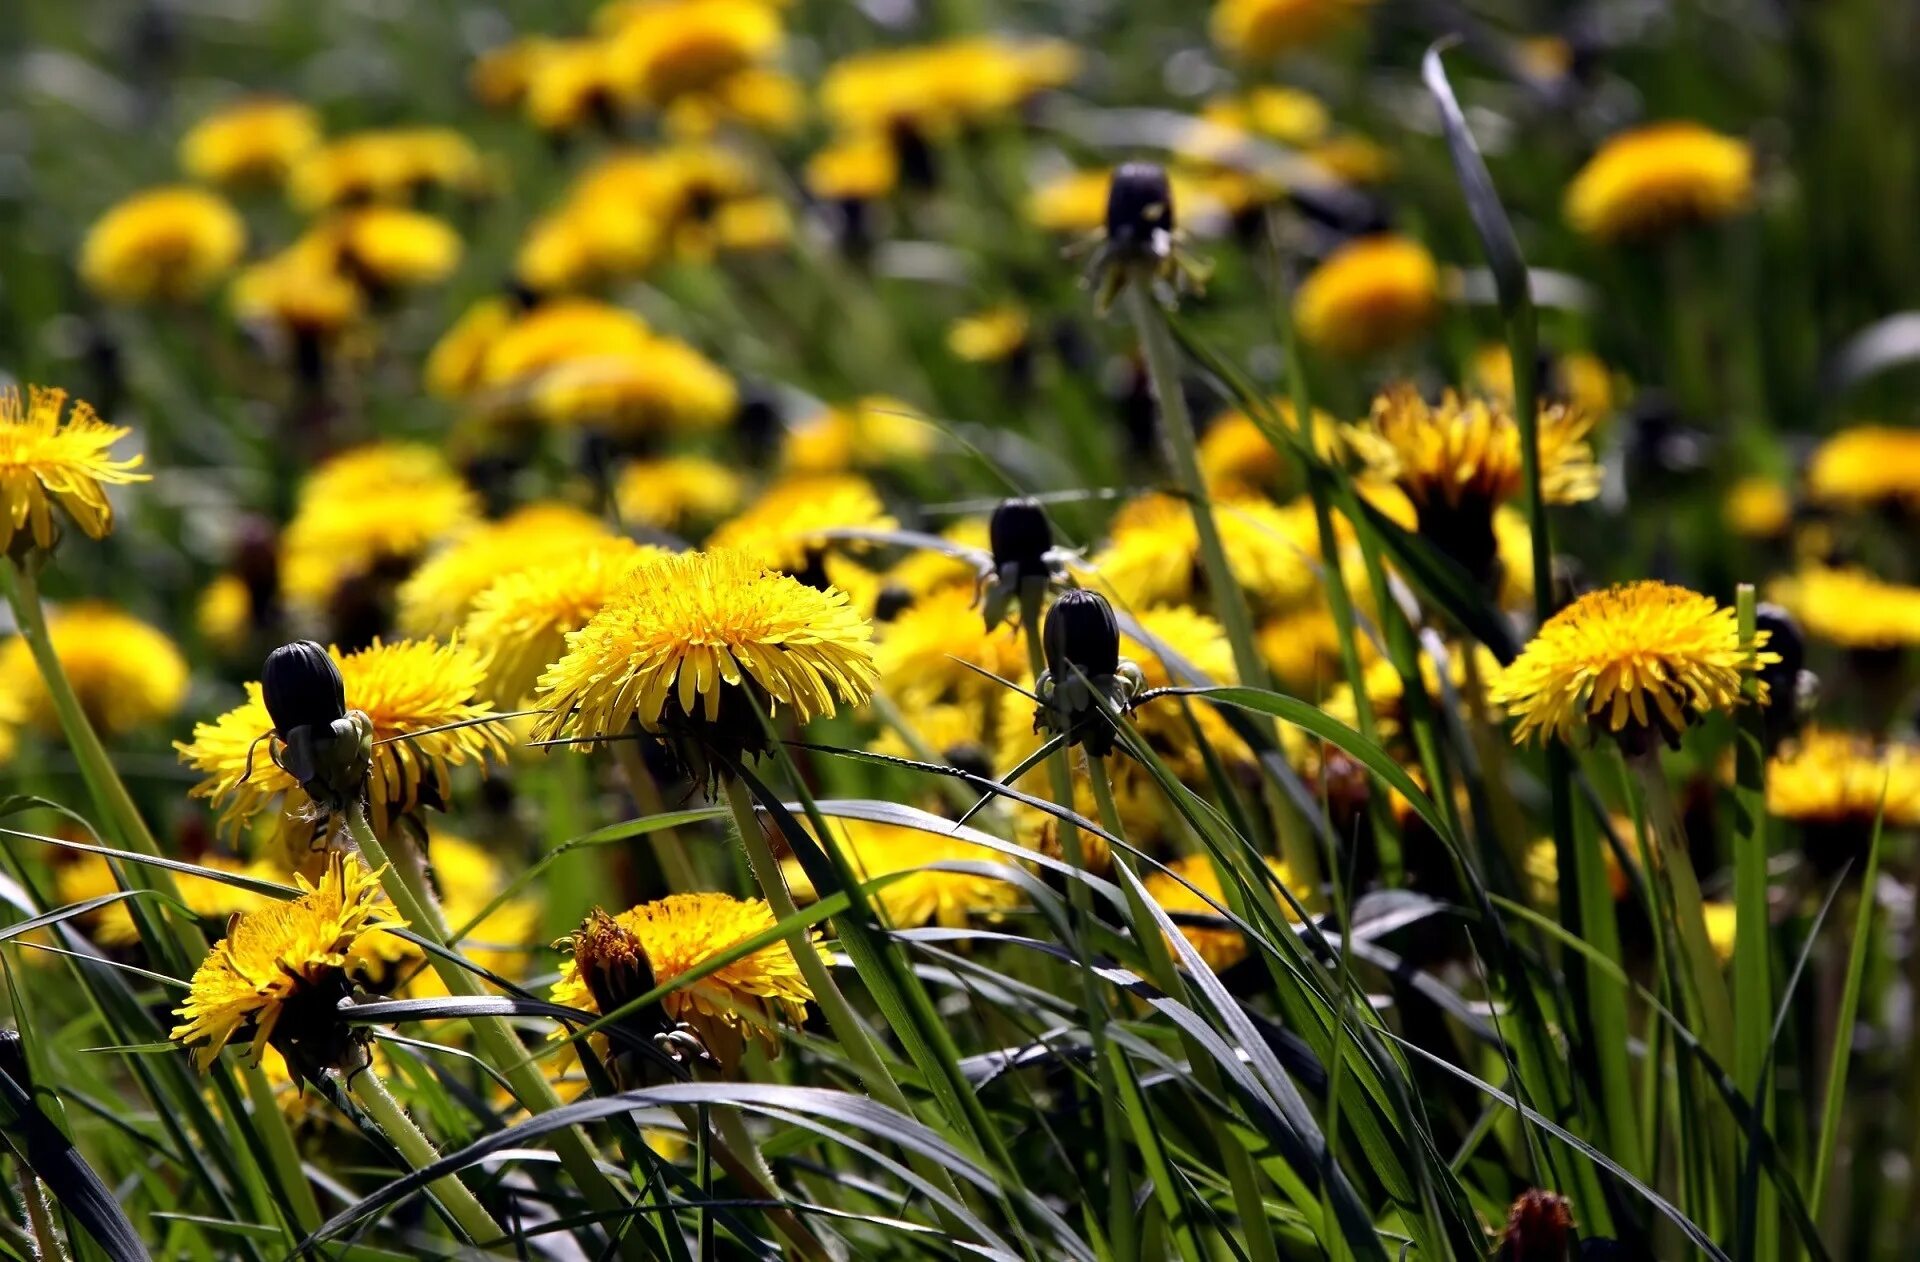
x: 302, y: 688
x: 1081, y: 633
x: 1139, y: 206
x: 1021, y: 537
x: 612, y: 961
x: 1539, y: 1229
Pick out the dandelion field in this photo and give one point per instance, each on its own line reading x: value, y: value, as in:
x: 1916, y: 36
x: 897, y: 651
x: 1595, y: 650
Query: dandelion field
x: 956, y: 628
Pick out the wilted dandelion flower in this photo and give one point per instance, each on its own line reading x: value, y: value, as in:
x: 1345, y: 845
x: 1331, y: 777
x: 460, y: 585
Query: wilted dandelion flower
x: 1636, y: 660
x: 47, y: 458
x: 1539, y: 1229
x: 1833, y: 784
x: 1369, y: 295
x: 1221, y: 947
x: 1851, y: 608
x: 280, y: 973
x: 406, y: 689
x: 386, y: 165
x: 951, y: 899
x: 254, y: 141
x: 126, y: 673
x: 674, y: 493
x: 695, y: 643
x: 1653, y: 179
x: 520, y: 622
x: 617, y: 959
x: 786, y: 527
x: 1085, y: 674
x: 1867, y: 465
x: 166, y: 244
x: 1260, y: 30
x: 437, y: 597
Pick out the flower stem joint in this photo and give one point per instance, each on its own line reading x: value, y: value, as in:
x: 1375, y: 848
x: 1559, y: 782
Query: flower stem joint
x: 322, y: 744
x: 1024, y: 559
x: 1082, y: 644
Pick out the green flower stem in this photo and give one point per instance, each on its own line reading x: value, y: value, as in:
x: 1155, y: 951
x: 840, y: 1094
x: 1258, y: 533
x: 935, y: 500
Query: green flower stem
x: 675, y: 860
x: 46, y: 1241
x: 497, y: 1040
x: 453, y: 1195
x: 272, y: 1127
x: 734, y: 1148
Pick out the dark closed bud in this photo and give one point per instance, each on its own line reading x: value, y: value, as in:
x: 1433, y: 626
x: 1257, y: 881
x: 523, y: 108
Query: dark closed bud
x: 13, y: 1059
x: 1784, y: 638
x: 1081, y: 632
x: 1539, y: 1229
x: 1139, y: 204
x: 302, y: 688
x: 1021, y: 536
x: 612, y: 961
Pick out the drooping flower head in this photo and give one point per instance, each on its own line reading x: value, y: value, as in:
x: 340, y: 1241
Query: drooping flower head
x: 694, y: 644
x: 164, y: 245
x: 126, y: 673
x: 1632, y: 661
x: 1653, y: 179
x: 1084, y: 667
x: 1142, y: 239
x: 619, y: 958
x: 1539, y: 1229
x: 281, y: 972
x: 1370, y: 295
x: 48, y: 459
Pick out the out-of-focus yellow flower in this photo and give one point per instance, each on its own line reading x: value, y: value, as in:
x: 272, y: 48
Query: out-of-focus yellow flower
x: 785, y: 527
x: 1656, y: 178
x: 387, y: 165
x: 1851, y: 608
x: 1576, y: 378
x: 1287, y: 115
x: 47, y: 458
x: 1838, y: 781
x: 871, y: 432
x: 1152, y: 554
x: 676, y: 492
x: 500, y: 77
x: 255, y: 141
x: 1302, y: 649
x: 667, y: 50
x: 223, y: 616
x: 667, y: 387
x: 1352, y: 159
x: 1759, y: 508
x: 1369, y: 295
x: 1235, y: 453
x: 385, y: 247
x: 91, y: 876
x: 458, y: 359
x: 1260, y: 30
x: 437, y: 597
x: 380, y: 505
x: 1867, y: 465
x: 936, y: 90
x: 571, y: 83
x: 990, y: 336
x: 298, y: 295
x: 521, y: 621
x: 1542, y: 867
x: 1179, y: 640
x: 925, y: 571
x: 1641, y: 657
x: 168, y: 244
x: 126, y: 673
x: 936, y: 650
x: 565, y: 330
x: 1223, y: 947
x: 862, y: 167
x: 950, y: 899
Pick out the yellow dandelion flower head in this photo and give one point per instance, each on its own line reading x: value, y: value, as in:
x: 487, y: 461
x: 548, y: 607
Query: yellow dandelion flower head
x: 1180, y: 637
x: 1290, y: 116
x: 281, y: 968
x: 785, y: 527
x: 387, y: 165
x: 871, y: 432
x: 520, y: 622
x: 437, y: 597
x: 859, y: 167
x: 50, y: 454
x: 665, y: 50
x: 1513, y: 546
x: 937, y: 647
x: 1576, y: 378
x: 1759, y: 508
x: 370, y: 508
x: 297, y: 293
x: 1369, y: 295
x: 673, y: 493
x: 126, y: 673
x: 924, y: 571
x: 1836, y: 780
x: 1466, y: 452
x: 168, y: 244
x: 1260, y: 30
x: 386, y: 247
x: 91, y: 875
x: 1302, y: 650
x: 1867, y: 465
x: 571, y: 83
x: 667, y: 386
x: 691, y: 635
x: 960, y: 735
x: 407, y: 688
x: 576, y: 247
x: 499, y: 78
x: 758, y: 98
x: 991, y: 336
x: 1541, y: 866
x: 457, y: 360
x: 1152, y: 555
x: 568, y: 330
x: 1221, y: 947
x: 1652, y: 179
x: 1352, y: 159
x: 1851, y: 608
x: 1236, y: 454
x: 950, y: 899
x: 934, y: 90
x: 1636, y: 658
x: 223, y: 614
x: 254, y: 141
x: 672, y: 936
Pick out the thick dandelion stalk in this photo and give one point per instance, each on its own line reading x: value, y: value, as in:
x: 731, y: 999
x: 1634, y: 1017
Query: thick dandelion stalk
x: 454, y: 1196
x: 272, y: 1128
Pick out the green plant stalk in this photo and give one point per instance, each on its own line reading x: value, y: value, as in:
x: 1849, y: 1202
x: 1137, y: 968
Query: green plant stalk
x: 46, y: 1241
x: 272, y: 1126
x: 1607, y: 1001
x: 675, y: 860
x: 733, y: 1146
x: 454, y: 1196
x: 1752, y: 940
x: 1833, y: 1106
x: 498, y: 1041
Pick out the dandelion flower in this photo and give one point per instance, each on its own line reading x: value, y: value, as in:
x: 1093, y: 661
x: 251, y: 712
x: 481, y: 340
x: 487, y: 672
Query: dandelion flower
x: 617, y: 959
x: 456, y: 362
x: 1576, y: 378
x: 951, y: 899
x: 673, y: 493
x: 1851, y: 608
x: 300, y: 296
x: 928, y: 93
x: 666, y: 386
x: 937, y: 649
x: 281, y: 971
x: 1152, y: 556
x: 1759, y: 508
x: 127, y: 674
x: 520, y: 622
x: 375, y: 507
x: 1631, y: 660
x: 255, y: 141
x: 167, y: 244
x: 568, y: 330
x: 992, y: 336
x: 47, y: 459
x: 786, y: 527
x: 695, y: 642
x: 438, y: 596
x: 91, y: 875
x: 1865, y: 466
x: 1833, y: 782
x: 871, y: 432
x: 1220, y: 947
x: 386, y: 165
x: 1237, y: 456
x: 1260, y: 30
x: 385, y: 247
x: 572, y: 83
x: 857, y: 168
x: 1369, y: 295
x: 1652, y: 179
x: 666, y: 50
x: 1179, y: 640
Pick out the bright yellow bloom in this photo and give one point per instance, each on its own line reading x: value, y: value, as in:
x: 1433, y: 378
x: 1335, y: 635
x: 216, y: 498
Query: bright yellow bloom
x: 1190, y: 640
x: 406, y: 689
x: 1237, y: 456
x: 126, y: 673
x: 1577, y: 378
x: 1722, y: 919
x: 937, y: 647
x: 387, y: 165
x: 45, y: 459
x: 667, y: 50
x: 785, y: 527
x: 1369, y: 295
x: 950, y: 899
x: 1851, y: 608
x: 925, y: 571
x: 164, y: 245
x: 871, y: 432
x: 1352, y: 159
x: 689, y: 630
x: 1652, y: 179
x: 666, y: 386
x: 385, y: 247
x: 1221, y: 948
x: 673, y: 936
x: 223, y: 615
x: 1838, y: 780
x: 1152, y: 555
x: 297, y: 294
x: 579, y: 330
x: 1467, y: 451
x: 1867, y: 465
x: 1759, y: 508
x: 1647, y: 654
x: 990, y: 336
x: 380, y: 505
x: 458, y: 359
x: 91, y: 875
x: 500, y: 77
x: 1287, y: 115
x: 572, y: 83
x: 862, y: 167
x: 276, y: 957
x: 438, y: 596
x: 1302, y: 649
x: 520, y: 622
x: 936, y: 90
x: 1260, y: 30
x: 676, y: 492
x: 255, y: 141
